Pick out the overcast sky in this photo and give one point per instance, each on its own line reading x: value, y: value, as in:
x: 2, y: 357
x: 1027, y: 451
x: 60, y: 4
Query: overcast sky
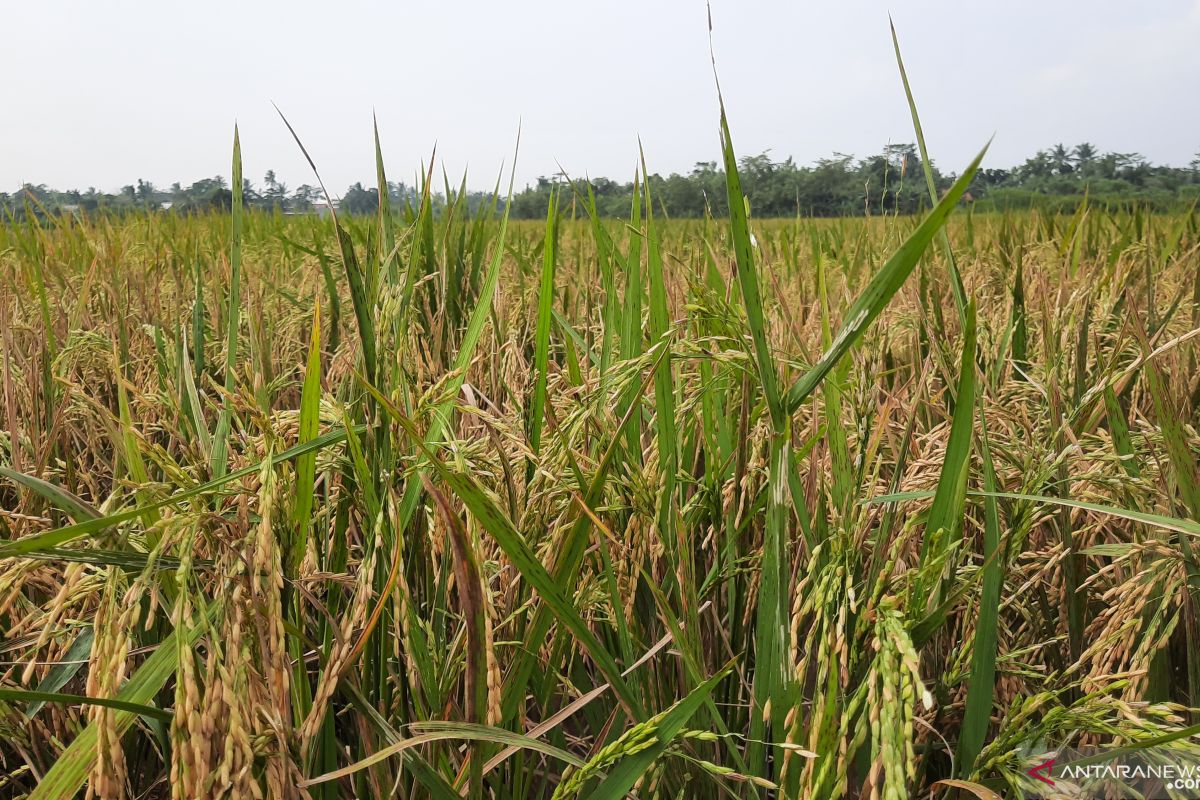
x: 102, y: 93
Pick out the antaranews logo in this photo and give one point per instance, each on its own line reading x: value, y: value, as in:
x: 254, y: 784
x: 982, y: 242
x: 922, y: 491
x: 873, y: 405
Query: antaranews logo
x: 1166, y: 772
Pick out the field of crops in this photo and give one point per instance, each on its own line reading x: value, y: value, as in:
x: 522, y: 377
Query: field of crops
x: 431, y: 505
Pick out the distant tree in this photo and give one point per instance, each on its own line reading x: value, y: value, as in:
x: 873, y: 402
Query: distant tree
x: 1084, y: 155
x: 1061, y: 160
x: 205, y: 194
x: 302, y: 199
x: 399, y: 194
x: 250, y: 195
x: 145, y: 193
x: 275, y: 194
x: 360, y: 200
x: 220, y: 199
x: 890, y: 181
x: 1036, y: 170
x: 1133, y: 167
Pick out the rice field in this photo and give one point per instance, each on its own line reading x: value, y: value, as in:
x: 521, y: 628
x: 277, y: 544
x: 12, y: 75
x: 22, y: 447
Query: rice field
x: 432, y: 505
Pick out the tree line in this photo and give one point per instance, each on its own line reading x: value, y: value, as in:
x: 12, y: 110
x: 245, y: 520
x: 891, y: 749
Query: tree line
x: 892, y: 181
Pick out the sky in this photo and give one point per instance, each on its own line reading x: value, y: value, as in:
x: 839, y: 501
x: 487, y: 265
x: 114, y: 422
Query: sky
x: 103, y: 93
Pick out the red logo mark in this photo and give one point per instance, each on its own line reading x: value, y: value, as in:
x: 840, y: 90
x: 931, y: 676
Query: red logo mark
x: 1044, y: 767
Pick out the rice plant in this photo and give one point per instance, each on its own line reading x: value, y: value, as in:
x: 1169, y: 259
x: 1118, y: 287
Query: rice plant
x: 430, y: 504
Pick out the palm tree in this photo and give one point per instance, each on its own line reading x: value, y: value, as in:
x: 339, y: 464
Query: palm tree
x: 276, y: 192
x: 1060, y: 158
x: 1084, y: 154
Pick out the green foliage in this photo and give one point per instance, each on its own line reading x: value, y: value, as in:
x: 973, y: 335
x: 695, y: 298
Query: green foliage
x: 587, y: 507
